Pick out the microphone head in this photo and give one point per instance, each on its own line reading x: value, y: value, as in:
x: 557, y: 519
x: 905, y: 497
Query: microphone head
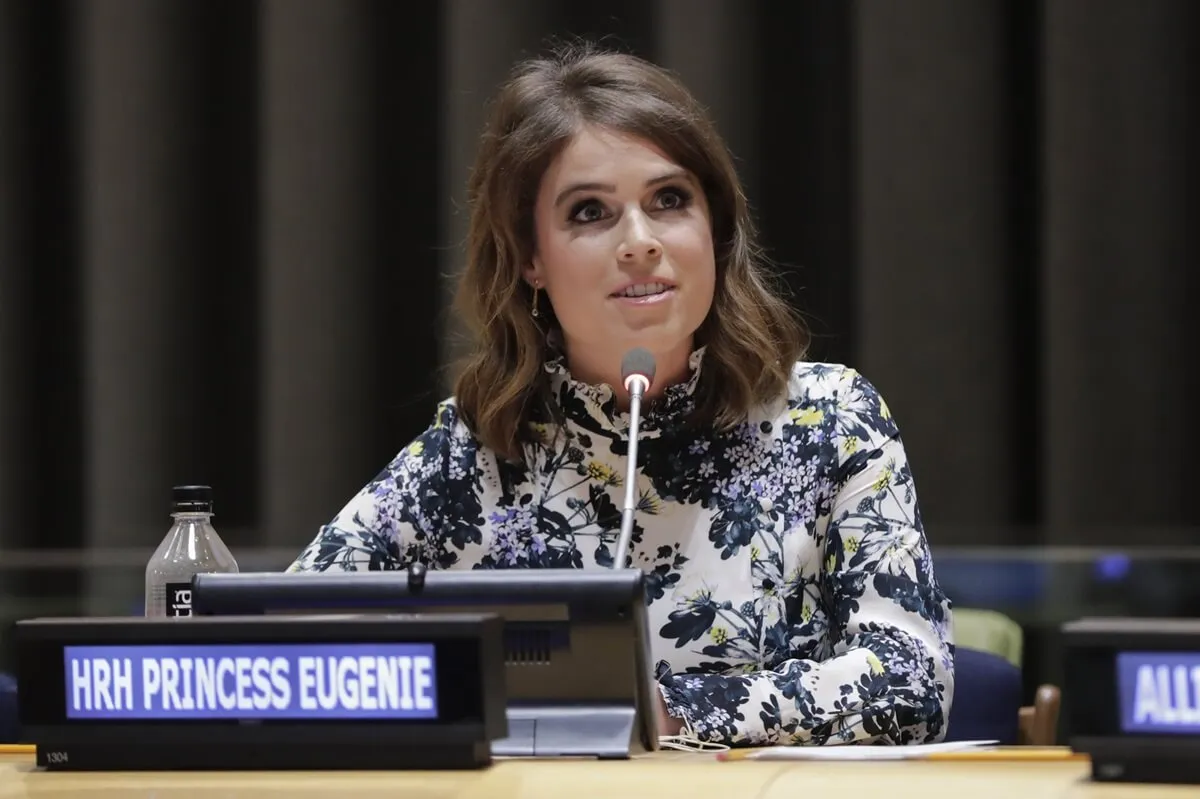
x: 637, y: 363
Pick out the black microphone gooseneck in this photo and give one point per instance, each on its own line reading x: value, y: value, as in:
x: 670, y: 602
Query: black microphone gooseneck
x: 637, y: 372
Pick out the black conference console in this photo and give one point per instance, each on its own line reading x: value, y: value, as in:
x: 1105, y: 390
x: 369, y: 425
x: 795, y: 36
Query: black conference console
x: 577, y: 670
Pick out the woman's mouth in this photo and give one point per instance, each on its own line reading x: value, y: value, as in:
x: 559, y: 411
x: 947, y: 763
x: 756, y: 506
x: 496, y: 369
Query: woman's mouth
x: 645, y: 293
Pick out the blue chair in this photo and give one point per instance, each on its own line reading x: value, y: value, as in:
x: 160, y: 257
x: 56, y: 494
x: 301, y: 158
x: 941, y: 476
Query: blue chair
x: 9, y: 720
x: 987, y: 698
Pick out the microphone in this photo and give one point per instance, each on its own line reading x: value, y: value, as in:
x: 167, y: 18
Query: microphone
x: 637, y: 372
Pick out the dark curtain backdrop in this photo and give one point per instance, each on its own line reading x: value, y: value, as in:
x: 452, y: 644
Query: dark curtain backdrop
x: 228, y: 230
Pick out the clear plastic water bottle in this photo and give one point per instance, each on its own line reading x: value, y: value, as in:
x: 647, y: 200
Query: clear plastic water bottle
x: 191, y: 547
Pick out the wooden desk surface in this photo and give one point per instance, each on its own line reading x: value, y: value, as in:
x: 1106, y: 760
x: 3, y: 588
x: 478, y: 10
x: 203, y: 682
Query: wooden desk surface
x: 666, y: 775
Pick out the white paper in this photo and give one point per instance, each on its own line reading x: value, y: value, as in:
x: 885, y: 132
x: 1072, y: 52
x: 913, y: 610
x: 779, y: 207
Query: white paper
x: 870, y: 752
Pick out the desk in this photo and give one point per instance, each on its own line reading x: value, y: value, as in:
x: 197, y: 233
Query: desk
x: 665, y: 775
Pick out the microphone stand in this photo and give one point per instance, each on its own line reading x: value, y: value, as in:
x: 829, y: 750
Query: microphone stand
x: 637, y: 385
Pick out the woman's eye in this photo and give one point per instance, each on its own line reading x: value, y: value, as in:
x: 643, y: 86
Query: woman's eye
x: 673, y: 199
x: 587, y: 211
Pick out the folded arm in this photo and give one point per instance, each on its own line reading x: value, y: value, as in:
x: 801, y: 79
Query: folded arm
x: 887, y: 676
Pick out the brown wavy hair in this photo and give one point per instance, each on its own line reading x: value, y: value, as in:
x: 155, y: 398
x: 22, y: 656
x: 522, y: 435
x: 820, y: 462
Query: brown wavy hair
x: 752, y: 336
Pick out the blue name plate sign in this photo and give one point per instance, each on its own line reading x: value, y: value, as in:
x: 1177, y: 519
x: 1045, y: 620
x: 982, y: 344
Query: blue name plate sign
x: 1132, y: 691
x: 251, y: 681
x: 1159, y: 692
x: 261, y: 692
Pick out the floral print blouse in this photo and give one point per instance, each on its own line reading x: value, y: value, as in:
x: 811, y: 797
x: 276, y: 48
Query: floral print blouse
x: 790, y: 589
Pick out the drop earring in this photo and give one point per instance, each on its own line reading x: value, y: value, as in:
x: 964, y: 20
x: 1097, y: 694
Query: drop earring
x: 534, y: 310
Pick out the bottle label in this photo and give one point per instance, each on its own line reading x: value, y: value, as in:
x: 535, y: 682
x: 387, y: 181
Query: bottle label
x: 179, y: 599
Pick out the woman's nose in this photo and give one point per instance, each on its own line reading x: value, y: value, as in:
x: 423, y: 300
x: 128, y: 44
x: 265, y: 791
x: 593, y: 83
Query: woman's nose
x: 640, y: 241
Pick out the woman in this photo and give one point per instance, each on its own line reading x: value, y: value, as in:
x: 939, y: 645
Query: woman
x: 790, y: 584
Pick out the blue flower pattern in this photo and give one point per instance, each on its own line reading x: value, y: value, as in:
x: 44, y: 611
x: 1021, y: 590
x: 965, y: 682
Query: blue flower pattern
x: 789, y: 580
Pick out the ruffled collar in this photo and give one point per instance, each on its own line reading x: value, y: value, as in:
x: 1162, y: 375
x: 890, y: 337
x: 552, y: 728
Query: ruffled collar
x: 594, y: 406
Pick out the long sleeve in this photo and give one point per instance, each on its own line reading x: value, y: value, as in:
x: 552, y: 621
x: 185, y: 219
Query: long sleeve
x: 885, y: 674
x: 401, y: 515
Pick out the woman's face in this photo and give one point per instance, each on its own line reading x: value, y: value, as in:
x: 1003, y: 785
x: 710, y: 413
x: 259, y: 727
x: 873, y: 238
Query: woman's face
x: 624, y: 252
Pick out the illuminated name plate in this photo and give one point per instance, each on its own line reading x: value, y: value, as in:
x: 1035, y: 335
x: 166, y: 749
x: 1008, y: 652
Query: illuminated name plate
x: 292, y: 681
x: 1160, y: 692
x: 1131, y: 696
x: 374, y: 691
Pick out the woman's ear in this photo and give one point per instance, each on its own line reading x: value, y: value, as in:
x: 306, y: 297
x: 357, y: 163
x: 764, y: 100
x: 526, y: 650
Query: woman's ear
x: 533, y: 273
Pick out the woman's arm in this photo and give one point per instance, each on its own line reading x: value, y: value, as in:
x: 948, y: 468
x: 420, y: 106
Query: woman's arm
x: 400, y: 516
x: 889, y: 677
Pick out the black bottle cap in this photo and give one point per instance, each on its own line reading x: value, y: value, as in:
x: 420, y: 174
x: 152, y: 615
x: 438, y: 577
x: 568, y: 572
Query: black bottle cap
x: 191, y: 499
